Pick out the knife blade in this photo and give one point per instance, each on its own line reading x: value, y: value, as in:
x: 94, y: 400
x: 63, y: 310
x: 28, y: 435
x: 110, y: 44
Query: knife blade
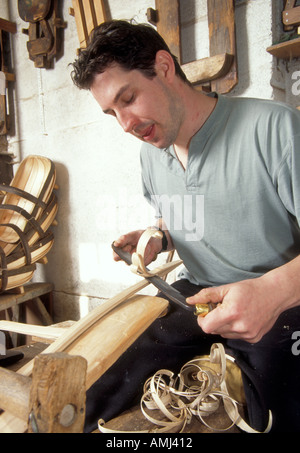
x: 172, y: 293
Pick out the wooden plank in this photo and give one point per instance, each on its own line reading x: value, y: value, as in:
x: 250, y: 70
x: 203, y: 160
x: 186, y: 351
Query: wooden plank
x: 168, y: 25
x: 42, y: 312
x: 221, y: 24
x: 47, y: 332
x: 80, y: 22
x: 207, y: 69
x: 6, y: 25
x: 31, y: 291
x: 286, y: 50
x: 90, y: 15
x: 100, y: 11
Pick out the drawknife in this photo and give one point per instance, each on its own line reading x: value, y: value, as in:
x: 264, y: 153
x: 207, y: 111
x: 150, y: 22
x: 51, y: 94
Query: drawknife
x: 172, y: 293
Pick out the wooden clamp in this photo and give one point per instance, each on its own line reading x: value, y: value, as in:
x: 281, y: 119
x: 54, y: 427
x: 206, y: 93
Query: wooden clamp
x: 44, y: 40
x: 53, y: 400
x: 220, y: 69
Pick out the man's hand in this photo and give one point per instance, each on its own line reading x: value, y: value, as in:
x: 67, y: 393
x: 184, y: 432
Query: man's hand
x: 247, y: 310
x: 128, y: 242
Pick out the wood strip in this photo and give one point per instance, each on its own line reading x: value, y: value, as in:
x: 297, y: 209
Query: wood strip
x: 90, y: 15
x: 100, y: 11
x: 47, y: 332
x: 80, y: 22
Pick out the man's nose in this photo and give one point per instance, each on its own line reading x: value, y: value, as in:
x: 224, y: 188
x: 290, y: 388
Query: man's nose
x: 127, y: 121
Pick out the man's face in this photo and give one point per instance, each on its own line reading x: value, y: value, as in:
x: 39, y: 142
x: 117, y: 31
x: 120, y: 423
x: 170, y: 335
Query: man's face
x: 146, y: 108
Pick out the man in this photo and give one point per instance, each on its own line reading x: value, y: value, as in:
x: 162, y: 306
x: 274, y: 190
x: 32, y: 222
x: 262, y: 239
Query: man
x: 224, y: 176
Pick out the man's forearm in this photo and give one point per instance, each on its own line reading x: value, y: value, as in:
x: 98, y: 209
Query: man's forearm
x: 285, y: 280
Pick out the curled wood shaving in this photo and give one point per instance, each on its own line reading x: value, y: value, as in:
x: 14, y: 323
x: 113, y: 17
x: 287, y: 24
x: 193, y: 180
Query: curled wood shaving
x: 198, y: 390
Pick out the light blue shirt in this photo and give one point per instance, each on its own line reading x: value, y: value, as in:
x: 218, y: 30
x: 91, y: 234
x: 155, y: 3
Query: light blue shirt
x: 234, y: 213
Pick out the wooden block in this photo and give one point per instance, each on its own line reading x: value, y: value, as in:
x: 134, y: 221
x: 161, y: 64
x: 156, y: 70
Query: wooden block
x: 291, y: 16
x: 207, y: 69
x: 57, y: 396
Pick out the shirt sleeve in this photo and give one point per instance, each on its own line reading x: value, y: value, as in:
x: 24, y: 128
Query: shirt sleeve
x: 289, y: 178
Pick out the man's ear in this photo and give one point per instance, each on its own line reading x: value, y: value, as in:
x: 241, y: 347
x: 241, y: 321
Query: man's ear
x: 164, y: 65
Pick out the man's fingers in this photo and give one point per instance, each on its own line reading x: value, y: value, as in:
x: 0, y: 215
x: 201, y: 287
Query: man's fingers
x: 214, y: 295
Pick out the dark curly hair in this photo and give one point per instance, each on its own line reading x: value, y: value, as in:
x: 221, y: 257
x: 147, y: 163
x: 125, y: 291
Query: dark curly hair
x: 132, y: 46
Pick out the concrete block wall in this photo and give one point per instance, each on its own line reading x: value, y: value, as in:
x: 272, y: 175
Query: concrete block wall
x: 97, y: 164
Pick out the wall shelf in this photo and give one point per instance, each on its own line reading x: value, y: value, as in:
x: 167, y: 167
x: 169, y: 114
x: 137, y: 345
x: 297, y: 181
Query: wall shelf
x: 286, y: 50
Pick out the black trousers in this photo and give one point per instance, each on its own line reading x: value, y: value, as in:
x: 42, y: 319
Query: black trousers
x: 270, y: 368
